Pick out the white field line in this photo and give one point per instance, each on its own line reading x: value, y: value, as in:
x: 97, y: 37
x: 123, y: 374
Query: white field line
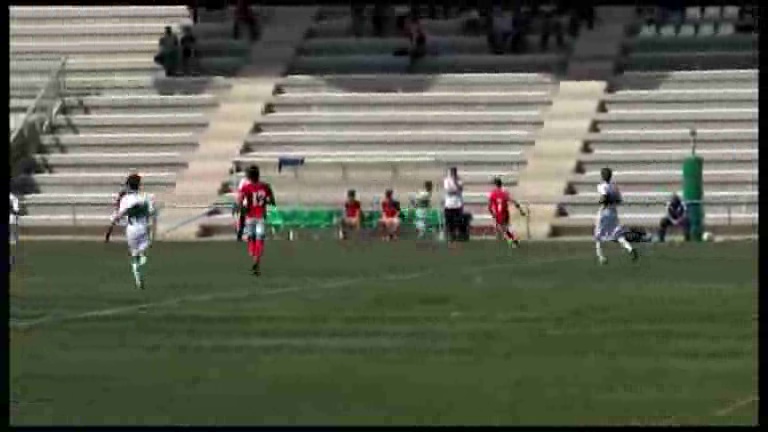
x: 243, y: 293
x: 736, y: 405
x: 722, y: 412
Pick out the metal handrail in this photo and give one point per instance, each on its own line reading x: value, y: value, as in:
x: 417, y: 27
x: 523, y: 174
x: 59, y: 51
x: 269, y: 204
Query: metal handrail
x: 31, y: 109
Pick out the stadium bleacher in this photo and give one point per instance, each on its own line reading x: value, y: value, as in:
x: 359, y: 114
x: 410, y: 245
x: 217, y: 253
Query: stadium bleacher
x: 644, y: 133
x: 119, y: 111
x: 360, y: 117
x: 348, y: 108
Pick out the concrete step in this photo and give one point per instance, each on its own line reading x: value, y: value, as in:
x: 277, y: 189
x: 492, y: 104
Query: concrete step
x: 131, y: 123
x: 417, y: 83
x: 124, y: 31
x: 376, y: 102
x: 198, y: 102
x: 100, y: 183
x: 601, y: 146
x: 489, y: 137
x: 315, y: 149
x: 469, y: 63
x: 69, y: 204
x: 678, y: 134
x: 604, y: 126
x: 118, y: 139
x: 592, y: 164
x: 106, y: 162
x: 87, y: 49
x: 406, y: 118
x: 120, y: 84
x: 116, y: 147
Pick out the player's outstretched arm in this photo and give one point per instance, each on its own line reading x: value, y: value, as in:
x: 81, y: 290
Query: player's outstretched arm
x: 119, y: 215
x: 242, y: 205
x: 519, y: 208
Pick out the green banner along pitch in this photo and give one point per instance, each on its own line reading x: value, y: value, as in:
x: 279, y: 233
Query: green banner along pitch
x: 693, y: 194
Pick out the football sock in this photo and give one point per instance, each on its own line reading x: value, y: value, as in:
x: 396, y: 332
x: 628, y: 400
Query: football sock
x: 625, y: 244
x: 136, y: 271
x: 599, y: 250
x: 142, y: 260
x: 252, y: 248
x: 258, y: 249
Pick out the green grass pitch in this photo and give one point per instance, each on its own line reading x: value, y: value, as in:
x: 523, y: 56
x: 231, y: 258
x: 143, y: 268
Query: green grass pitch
x: 384, y: 334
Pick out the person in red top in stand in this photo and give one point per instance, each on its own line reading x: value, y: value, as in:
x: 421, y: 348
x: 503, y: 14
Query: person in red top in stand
x: 254, y: 196
x: 353, y: 215
x: 498, y: 206
x: 390, y: 215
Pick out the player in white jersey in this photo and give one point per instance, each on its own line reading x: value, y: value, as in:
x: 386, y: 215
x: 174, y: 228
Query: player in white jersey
x: 139, y: 211
x: 13, y: 221
x: 422, y: 202
x: 607, y: 226
x: 13, y: 225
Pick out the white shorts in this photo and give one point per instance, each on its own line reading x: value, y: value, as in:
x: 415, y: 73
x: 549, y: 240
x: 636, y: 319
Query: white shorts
x: 138, y: 239
x: 255, y: 229
x: 13, y: 231
x: 607, y: 227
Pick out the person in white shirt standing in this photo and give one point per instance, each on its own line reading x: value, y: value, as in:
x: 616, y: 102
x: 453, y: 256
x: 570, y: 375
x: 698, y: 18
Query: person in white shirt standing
x: 607, y: 227
x: 139, y: 210
x: 453, y: 204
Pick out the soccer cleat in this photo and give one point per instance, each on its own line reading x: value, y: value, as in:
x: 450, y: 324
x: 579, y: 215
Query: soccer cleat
x: 602, y: 260
x: 635, y: 256
x: 255, y: 269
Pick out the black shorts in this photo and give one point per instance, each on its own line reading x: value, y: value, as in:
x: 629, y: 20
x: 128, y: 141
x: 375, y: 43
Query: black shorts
x: 454, y: 219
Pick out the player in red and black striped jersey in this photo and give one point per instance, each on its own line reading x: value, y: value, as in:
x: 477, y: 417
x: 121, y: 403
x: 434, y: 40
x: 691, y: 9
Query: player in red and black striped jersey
x: 390, y: 216
x: 353, y: 215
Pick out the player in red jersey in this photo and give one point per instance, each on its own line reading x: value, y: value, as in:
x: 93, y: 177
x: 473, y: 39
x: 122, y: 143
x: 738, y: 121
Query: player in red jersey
x: 254, y: 196
x: 498, y: 206
x: 353, y: 215
x: 390, y: 215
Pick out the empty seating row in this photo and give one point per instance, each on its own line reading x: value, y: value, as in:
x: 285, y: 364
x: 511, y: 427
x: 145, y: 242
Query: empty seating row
x: 435, y: 46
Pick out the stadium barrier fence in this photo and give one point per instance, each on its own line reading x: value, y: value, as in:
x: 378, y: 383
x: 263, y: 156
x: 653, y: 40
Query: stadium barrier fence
x: 290, y: 219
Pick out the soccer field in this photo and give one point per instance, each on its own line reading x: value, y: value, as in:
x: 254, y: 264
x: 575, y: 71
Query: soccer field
x: 384, y: 334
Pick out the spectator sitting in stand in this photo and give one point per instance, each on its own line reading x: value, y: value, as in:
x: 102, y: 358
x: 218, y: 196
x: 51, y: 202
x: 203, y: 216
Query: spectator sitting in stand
x: 670, y: 11
x: 473, y: 23
x: 244, y: 14
x: 378, y: 18
x: 192, y: 6
x: 188, y: 50
x: 418, y: 40
x: 501, y: 29
x: 358, y: 19
x: 551, y: 24
x: 169, y: 52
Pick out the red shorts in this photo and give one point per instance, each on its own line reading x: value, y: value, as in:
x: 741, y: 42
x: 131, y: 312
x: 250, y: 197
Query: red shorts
x: 502, y: 219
